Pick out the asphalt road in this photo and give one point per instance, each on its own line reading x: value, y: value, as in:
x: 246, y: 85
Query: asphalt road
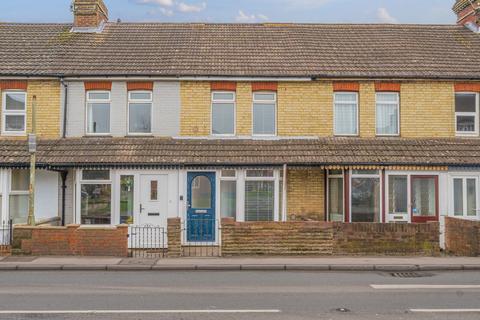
x: 237, y: 295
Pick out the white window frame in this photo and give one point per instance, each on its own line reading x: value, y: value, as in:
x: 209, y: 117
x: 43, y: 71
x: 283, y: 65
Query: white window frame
x: 226, y: 178
x: 12, y: 192
x: 275, y: 101
x: 6, y: 113
x: 234, y: 101
x: 335, y: 110
x: 88, y: 100
x: 276, y: 194
x: 335, y: 176
x: 468, y: 114
x: 352, y: 176
x: 397, y: 104
x: 111, y: 181
x: 130, y: 101
x: 464, y: 179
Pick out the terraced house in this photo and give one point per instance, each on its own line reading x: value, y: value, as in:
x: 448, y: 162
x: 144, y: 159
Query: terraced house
x: 140, y: 122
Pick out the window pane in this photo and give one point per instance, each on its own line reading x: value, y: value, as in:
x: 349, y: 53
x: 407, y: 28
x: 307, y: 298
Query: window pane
x: 99, y: 117
x: 458, y: 197
x: 264, y: 96
x: 140, y: 118
x: 335, y: 172
x: 423, y: 194
x: 95, y: 175
x: 335, y: 199
x: 465, y: 102
x: 264, y: 119
x: 153, y: 190
x: 201, y: 193
x: 387, y: 119
x: 223, y: 96
x: 223, y: 118
x: 15, y: 123
x: 387, y: 97
x: 126, y: 199
x: 365, y: 200
x: 19, y: 208
x: 346, y: 97
x: 465, y: 123
x: 471, y: 197
x: 20, y: 180
x: 228, y: 199
x: 229, y: 173
x: 369, y: 172
x: 15, y: 101
x: 259, y: 173
x: 345, y: 119
x: 98, y: 95
x: 397, y: 194
x: 96, y: 204
x: 140, y: 95
x: 259, y: 200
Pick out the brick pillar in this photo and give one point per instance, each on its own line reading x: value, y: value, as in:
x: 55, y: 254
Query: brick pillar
x: 72, y: 239
x: 227, y: 227
x: 174, y: 235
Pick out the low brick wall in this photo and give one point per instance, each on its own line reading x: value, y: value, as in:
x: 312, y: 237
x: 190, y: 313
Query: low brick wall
x: 462, y: 237
x: 5, y: 251
x: 386, y: 239
x: 276, y: 238
x: 71, y: 240
x: 174, y: 236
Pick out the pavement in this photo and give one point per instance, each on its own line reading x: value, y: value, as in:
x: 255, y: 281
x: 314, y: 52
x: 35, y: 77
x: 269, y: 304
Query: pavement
x: 392, y: 264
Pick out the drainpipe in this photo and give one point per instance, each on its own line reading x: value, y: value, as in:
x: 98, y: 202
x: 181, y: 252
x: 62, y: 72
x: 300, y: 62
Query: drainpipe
x: 65, y: 107
x: 284, y: 193
x: 64, y: 175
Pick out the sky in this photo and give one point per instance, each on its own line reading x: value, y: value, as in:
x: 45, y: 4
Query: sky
x: 244, y: 11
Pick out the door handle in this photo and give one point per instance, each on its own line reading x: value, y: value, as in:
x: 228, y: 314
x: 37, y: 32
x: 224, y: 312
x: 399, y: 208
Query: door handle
x: 141, y: 208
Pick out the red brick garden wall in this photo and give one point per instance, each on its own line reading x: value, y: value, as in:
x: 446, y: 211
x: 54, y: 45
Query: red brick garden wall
x: 462, y: 237
x: 72, y: 240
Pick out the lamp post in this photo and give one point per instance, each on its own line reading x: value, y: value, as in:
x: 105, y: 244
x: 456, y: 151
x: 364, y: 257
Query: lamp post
x: 32, y: 149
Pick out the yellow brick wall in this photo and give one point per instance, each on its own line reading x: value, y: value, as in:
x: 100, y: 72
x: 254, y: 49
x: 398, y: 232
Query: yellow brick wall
x: 305, y: 189
x: 306, y: 109
x: 48, y: 107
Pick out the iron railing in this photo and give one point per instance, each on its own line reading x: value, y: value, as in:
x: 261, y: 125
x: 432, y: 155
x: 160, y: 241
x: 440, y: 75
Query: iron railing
x: 6, y: 233
x: 146, y: 241
x: 201, y: 238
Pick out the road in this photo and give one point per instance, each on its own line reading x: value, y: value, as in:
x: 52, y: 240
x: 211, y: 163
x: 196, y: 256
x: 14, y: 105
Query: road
x: 237, y: 295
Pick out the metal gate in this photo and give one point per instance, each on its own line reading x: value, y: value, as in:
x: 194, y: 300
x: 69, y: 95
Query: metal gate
x: 147, y: 241
x: 201, y: 238
x: 6, y: 234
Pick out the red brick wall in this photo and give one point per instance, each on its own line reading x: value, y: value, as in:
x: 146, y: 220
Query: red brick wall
x: 462, y: 237
x: 386, y: 239
x: 72, y: 240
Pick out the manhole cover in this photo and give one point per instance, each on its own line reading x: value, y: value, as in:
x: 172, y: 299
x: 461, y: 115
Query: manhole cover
x: 410, y: 274
x: 342, y: 310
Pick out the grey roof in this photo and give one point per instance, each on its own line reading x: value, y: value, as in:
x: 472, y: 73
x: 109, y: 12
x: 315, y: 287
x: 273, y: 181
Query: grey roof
x: 112, y: 152
x: 257, y: 50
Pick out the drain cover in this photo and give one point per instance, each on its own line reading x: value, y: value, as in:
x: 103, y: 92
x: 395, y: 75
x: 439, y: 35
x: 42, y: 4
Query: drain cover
x: 342, y: 310
x: 410, y: 274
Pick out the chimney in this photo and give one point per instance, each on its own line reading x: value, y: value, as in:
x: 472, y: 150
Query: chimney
x: 468, y: 14
x: 89, y: 15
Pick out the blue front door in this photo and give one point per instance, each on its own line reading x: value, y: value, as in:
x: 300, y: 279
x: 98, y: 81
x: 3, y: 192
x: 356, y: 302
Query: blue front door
x: 201, y: 207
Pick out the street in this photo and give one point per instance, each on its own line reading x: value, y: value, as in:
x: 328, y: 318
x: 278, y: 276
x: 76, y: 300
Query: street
x: 238, y: 295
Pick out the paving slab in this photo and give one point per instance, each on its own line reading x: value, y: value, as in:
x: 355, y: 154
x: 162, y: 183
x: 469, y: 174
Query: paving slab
x: 138, y: 261
x: 77, y: 260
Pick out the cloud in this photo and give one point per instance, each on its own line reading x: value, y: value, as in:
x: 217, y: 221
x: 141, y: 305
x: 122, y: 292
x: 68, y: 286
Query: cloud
x: 164, y: 3
x: 187, y: 8
x: 246, y: 18
x: 384, y: 16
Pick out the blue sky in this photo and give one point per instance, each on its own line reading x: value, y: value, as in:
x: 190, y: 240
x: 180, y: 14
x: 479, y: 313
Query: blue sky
x: 322, y: 11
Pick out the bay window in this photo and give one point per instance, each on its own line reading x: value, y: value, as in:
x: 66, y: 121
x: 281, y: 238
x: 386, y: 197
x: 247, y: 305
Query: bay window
x: 259, y: 195
x: 140, y: 112
x: 387, y: 114
x: 335, y: 196
x: 96, y: 197
x: 14, y: 113
x: 228, y: 194
x: 465, y: 196
x: 365, y: 196
x: 98, y: 112
x: 264, y: 113
x: 346, y: 113
x: 223, y: 113
x: 466, y: 113
x: 19, y: 191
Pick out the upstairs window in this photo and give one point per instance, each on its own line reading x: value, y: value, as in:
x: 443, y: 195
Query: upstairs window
x: 264, y: 113
x: 223, y: 113
x: 388, y: 105
x: 466, y: 113
x: 14, y: 113
x: 346, y: 113
x: 140, y: 112
x: 98, y: 112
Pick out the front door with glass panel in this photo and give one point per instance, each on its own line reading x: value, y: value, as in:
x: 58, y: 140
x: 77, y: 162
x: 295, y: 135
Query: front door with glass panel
x: 201, y: 207
x: 424, y: 193
x: 153, y: 209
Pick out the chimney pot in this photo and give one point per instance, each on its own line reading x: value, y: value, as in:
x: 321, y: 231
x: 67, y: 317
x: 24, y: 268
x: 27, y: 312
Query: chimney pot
x: 89, y: 15
x: 468, y: 14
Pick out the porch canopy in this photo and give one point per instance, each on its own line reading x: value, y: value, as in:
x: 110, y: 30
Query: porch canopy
x: 329, y: 153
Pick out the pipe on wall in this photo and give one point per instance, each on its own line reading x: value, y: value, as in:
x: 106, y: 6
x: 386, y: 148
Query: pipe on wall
x: 64, y: 175
x: 65, y: 107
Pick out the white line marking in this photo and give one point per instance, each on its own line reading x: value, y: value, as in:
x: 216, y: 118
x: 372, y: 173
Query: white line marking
x: 446, y: 310
x: 47, y: 312
x: 421, y: 286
